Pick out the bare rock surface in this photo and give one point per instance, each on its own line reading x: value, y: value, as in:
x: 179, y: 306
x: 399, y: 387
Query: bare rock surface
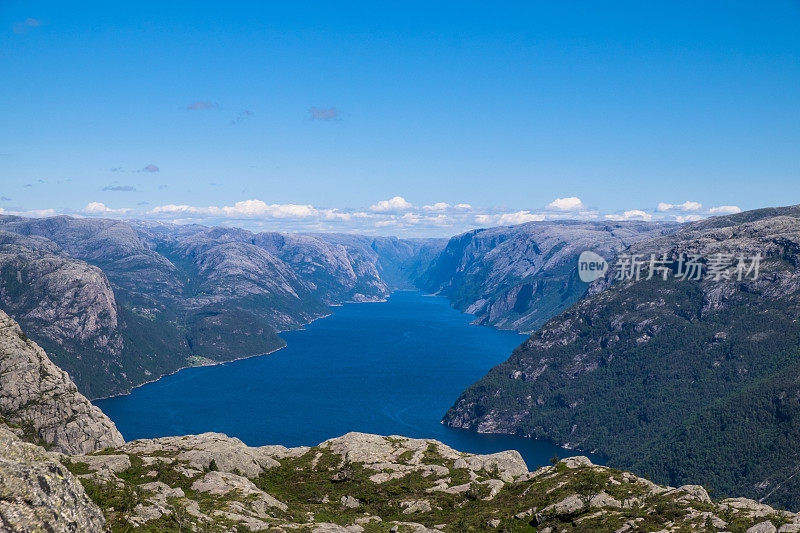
x: 221, y: 483
x: 360, y: 481
x: 43, y: 401
x: 229, y: 454
x: 518, y: 277
x: 38, y: 494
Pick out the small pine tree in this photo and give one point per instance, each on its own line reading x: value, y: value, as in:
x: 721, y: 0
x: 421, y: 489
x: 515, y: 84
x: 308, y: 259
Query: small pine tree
x: 212, y: 466
x: 589, y: 484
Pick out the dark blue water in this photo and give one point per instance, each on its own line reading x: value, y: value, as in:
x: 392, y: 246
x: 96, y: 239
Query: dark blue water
x: 391, y: 368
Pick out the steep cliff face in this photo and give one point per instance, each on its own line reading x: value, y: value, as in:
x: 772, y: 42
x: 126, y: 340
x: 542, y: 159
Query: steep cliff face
x: 41, y: 399
x: 352, y: 267
x: 518, y: 277
x: 68, y: 303
x: 679, y: 378
x: 61, y: 297
x: 397, y: 261
x: 336, y: 273
x: 149, y: 337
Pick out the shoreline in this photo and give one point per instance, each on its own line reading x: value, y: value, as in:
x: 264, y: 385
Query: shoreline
x: 301, y: 328
x: 535, y: 451
x: 212, y: 363
x: 216, y: 363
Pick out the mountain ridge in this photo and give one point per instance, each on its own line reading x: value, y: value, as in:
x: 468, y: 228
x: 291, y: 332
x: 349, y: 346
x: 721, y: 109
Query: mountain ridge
x: 672, y: 377
x: 518, y: 277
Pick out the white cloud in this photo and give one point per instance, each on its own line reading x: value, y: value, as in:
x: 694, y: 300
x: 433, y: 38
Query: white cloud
x: 99, y: 208
x: 632, y: 214
x: 688, y: 218
x: 395, y: 216
x: 520, y: 217
x: 335, y: 214
x: 725, y: 210
x: 386, y: 223
x: 571, y: 203
x: 438, y: 206
x: 246, y: 209
x: 36, y: 213
x: 398, y: 203
x: 439, y: 220
x: 685, y: 206
x: 509, y: 219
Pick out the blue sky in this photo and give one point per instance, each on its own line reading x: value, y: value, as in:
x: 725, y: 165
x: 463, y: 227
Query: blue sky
x: 356, y: 116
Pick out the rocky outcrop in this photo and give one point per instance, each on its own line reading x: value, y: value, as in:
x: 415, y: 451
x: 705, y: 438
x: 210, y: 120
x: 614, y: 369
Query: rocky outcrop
x: 37, y: 493
x: 228, y: 454
x: 41, y: 400
x: 518, y: 277
x: 678, y: 377
x: 361, y: 482
x: 336, y: 273
x: 398, y: 262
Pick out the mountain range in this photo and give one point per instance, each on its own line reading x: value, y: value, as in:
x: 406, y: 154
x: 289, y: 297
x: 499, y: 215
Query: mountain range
x: 685, y: 380
x: 518, y: 277
x: 120, y: 303
x: 671, y: 376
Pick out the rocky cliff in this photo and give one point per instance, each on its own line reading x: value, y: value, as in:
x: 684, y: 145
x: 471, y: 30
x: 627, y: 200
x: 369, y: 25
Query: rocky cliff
x: 677, y: 377
x: 40, y: 400
x: 68, y: 303
x: 518, y: 277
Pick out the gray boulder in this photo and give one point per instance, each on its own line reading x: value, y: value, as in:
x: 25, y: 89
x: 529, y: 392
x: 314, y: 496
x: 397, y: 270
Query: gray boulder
x: 39, y: 494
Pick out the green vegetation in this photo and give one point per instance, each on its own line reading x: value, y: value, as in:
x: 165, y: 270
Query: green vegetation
x: 312, y: 485
x: 663, y: 385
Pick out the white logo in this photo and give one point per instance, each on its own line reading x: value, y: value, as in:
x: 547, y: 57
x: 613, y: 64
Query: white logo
x: 591, y: 266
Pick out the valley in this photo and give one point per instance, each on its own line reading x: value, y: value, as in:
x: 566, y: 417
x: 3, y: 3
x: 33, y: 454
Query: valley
x: 681, y: 381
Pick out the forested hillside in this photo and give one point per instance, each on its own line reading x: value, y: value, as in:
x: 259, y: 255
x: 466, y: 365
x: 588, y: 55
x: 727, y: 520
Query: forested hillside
x: 676, y: 378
